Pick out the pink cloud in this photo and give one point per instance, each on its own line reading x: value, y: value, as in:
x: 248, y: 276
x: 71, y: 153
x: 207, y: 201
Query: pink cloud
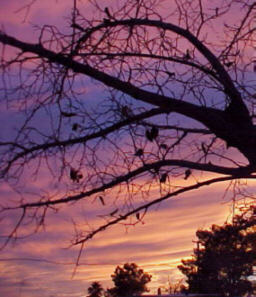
x: 158, y: 245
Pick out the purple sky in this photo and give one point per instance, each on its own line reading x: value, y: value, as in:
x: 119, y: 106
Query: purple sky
x: 42, y: 265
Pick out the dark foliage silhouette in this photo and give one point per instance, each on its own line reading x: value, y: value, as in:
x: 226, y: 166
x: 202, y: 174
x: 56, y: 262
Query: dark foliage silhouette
x: 95, y: 290
x: 224, y: 258
x: 129, y: 280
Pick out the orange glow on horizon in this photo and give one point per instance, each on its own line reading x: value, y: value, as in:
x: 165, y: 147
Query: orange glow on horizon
x: 42, y: 265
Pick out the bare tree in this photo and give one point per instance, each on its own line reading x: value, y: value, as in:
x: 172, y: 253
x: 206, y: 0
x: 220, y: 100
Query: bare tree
x: 175, y: 97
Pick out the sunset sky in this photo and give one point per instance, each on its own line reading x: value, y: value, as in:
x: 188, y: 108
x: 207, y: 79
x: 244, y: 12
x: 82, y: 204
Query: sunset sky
x: 42, y: 265
x: 45, y: 266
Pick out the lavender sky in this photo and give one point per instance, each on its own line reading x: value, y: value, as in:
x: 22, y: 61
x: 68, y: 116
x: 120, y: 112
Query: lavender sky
x: 42, y: 265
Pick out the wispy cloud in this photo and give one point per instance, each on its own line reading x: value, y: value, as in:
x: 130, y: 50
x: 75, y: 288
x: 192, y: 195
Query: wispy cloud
x: 157, y: 245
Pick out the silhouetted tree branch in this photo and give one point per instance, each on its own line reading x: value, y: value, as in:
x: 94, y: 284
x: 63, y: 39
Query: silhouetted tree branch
x: 169, y: 101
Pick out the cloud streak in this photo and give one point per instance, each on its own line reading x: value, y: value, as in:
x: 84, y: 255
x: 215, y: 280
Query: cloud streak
x: 43, y: 263
x: 157, y: 245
